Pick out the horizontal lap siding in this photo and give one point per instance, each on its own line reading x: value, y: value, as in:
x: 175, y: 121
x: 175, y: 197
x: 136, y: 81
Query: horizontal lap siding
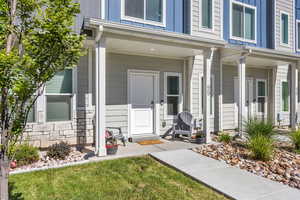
x: 116, y: 99
x: 197, y: 73
x: 196, y: 24
x: 288, y: 7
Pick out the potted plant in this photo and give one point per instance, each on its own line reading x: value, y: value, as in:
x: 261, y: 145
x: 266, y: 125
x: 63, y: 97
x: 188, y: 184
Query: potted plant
x: 111, y: 143
x: 200, y: 138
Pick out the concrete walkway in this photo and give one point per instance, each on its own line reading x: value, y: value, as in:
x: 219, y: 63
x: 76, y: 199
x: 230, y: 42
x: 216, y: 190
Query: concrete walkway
x: 231, y: 181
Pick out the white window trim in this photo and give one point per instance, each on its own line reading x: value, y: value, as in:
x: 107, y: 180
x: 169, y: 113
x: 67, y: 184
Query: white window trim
x: 72, y: 101
x: 266, y: 96
x: 297, y: 31
x: 281, y: 42
x: 231, y: 26
x: 145, y: 21
x: 200, y: 18
x: 180, y: 105
x: 281, y: 102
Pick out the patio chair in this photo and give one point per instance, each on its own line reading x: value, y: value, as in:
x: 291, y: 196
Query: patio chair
x: 184, y: 125
x: 119, y: 135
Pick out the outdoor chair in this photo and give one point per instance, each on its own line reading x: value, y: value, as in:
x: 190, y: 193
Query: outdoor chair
x: 118, y: 135
x: 184, y: 125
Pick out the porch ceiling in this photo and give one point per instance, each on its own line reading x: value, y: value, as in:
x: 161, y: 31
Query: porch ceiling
x: 147, y: 48
x: 253, y: 59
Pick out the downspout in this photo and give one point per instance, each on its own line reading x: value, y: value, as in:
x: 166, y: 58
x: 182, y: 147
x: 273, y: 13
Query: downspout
x: 97, y: 39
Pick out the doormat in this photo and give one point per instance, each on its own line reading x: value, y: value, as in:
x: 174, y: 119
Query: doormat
x: 150, y: 142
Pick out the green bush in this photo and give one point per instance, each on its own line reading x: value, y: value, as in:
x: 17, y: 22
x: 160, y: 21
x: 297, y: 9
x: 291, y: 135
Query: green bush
x: 256, y: 127
x: 295, y: 137
x: 261, y: 147
x: 225, y: 138
x: 24, y: 154
x: 59, y: 150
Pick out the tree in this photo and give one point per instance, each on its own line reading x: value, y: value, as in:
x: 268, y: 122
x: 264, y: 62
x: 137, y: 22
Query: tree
x: 36, y: 42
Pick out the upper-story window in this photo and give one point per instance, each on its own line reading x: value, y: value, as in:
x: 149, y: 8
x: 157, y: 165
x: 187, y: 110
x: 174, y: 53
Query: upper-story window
x: 284, y: 28
x: 243, y: 22
x: 206, y: 14
x: 144, y: 11
x: 298, y: 35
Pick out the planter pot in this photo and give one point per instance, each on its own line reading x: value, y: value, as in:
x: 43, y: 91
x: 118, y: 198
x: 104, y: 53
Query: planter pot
x: 200, y: 140
x: 111, y: 149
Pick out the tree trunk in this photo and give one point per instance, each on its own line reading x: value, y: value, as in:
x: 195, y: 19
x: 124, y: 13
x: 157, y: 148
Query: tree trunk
x: 4, y: 171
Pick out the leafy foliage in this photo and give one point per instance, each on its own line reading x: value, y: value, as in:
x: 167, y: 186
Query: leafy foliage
x: 36, y: 42
x: 59, y: 150
x: 261, y: 147
x: 256, y: 127
x: 225, y: 138
x: 295, y: 137
x: 24, y: 154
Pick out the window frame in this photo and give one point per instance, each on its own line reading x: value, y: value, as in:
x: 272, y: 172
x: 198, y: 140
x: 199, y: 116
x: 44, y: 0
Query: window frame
x: 180, y: 95
x: 244, y: 5
x: 297, y: 32
x: 281, y: 100
x: 265, y: 97
x: 144, y: 20
x: 71, y: 95
x: 35, y: 121
x: 212, y: 17
x: 281, y: 36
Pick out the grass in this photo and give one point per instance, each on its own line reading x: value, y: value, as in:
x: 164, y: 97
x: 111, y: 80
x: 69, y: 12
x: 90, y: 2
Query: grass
x: 139, y: 178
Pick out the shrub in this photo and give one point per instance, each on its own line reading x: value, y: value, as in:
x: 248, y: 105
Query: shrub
x: 295, y: 137
x: 261, y: 147
x: 59, y: 150
x: 24, y: 154
x: 225, y: 138
x: 256, y: 127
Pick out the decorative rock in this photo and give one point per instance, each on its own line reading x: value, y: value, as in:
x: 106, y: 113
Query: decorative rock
x: 283, y: 168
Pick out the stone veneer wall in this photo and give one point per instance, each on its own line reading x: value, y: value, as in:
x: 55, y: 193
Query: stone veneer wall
x: 79, y: 131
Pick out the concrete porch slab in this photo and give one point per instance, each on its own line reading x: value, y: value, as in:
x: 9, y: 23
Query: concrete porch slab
x: 231, y: 181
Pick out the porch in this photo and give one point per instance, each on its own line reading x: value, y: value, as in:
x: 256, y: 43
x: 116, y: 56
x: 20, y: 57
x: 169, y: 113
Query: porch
x: 139, y: 80
x: 258, y: 83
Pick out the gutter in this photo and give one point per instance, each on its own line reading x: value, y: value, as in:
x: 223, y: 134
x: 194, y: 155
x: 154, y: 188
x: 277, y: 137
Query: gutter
x: 123, y: 29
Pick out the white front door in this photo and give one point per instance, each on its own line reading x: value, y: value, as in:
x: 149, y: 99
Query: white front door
x: 249, y: 99
x: 143, y: 97
x: 261, y: 99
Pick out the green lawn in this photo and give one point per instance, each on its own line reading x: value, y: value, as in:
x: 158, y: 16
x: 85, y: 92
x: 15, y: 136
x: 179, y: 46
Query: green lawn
x: 129, y: 178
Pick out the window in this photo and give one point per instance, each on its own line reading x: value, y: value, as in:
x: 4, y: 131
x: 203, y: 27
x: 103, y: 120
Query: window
x: 31, y: 118
x: 298, y: 35
x: 58, y: 97
x: 173, y: 93
x: 284, y: 28
x: 207, y: 13
x: 284, y: 96
x: 243, y: 22
x: 151, y: 11
x: 212, y: 91
x: 261, y: 93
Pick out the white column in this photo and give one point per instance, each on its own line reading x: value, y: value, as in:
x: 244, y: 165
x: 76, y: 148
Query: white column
x: 294, y: 95
x: 89, y: 99
x: 221, y: 97
x: 100, y: 96
x: 206, y: 99
x: 242, y: 93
